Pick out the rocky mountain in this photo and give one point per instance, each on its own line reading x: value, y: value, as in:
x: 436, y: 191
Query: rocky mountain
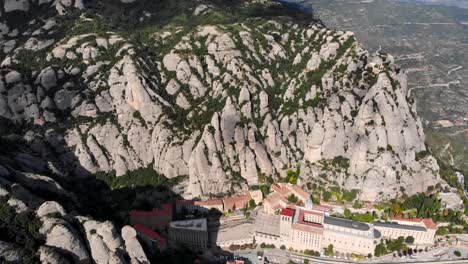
x: 429, y: 42
x: 100, y: 98
x: 218, y: 94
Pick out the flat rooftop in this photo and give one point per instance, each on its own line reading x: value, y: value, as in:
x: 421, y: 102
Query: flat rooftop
x: 398, y: 226
x: 238, y: 232
x: 352, y: 225
x: 267, y: 224
x: 346, y: 223
x: 192, y: 224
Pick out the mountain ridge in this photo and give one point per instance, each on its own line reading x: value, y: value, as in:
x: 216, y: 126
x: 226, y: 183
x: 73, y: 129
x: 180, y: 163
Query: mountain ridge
x: 206, y: 107
x: 107, y: 107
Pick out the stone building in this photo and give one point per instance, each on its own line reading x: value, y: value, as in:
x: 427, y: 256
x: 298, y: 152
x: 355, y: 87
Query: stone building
x: 237, y: 202
x: 302, y: 228
x: 153, y: 240
x: 257, y: 196
x: 191, y: 206
x: 274, y: 203
x: 349, y: 236
x: 236, y: 235
x: 422, y: 229
x: 267, y: 229
x: 279, y: 198
x: 311, y: 228
x: 206, y: 206
x: 189, y: 233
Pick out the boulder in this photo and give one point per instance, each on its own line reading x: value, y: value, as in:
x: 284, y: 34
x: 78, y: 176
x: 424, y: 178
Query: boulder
x: 50, y: 256
x: 133, y: 246
x: 50, y: 207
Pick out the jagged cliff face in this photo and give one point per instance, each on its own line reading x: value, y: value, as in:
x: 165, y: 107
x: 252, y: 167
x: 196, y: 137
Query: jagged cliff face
x: 220, y: 102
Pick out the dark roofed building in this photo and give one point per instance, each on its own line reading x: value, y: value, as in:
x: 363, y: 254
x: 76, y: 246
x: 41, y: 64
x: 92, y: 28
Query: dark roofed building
x: 151, y: 238
x: 158, y: 218
x: 350, y: 236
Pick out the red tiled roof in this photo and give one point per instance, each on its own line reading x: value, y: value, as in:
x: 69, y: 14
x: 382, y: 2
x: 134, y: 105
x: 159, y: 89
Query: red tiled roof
x: 281, y: 189
x: 165, y: 210
x: 425, y: 221
x: 301, y: 193
x: 287, y: 212
x: 275, y: 199
x: 238, y: 201
x: 429, y: 223
x: 141, y: 229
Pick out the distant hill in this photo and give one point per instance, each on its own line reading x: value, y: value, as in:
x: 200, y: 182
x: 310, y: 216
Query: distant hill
x: 457, y: 3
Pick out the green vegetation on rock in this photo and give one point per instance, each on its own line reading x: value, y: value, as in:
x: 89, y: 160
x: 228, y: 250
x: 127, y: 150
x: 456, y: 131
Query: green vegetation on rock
x: 21, y: 229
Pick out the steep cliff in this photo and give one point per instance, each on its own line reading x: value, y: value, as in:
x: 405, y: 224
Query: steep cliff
x: 225, y: 94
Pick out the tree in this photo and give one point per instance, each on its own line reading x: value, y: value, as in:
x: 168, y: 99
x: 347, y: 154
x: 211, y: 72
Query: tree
x: 347, y: 213
x: 327, y: 196
x: 369, y: 255
x: 396, y: 208
x: 466, y: 207
x: 283, y: 247
x: 350, y: 195
x: 293, y: 198
x: 22, y: 229
x: 306, y: 261
x: 457, y: 253
x: 380, y: 250
x: 252, y: 204
x: 409, y: 240
x: 265, y: 190
x: 357, y: 205
x: 329, y: 250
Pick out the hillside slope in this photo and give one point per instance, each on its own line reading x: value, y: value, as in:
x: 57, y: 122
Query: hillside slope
x: 217, y: 95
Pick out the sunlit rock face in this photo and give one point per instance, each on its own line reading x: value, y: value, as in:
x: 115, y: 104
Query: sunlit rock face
x: 219, y: 104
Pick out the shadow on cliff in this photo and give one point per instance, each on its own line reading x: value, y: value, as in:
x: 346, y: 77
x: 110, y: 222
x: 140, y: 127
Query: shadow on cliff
x: 92, y: 194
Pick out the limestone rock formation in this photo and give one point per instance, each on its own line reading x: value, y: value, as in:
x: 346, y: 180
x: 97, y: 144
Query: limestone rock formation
x: 222, y: 110
x: 68, y: 238
x: 215, y: 97
x: 219, y: 104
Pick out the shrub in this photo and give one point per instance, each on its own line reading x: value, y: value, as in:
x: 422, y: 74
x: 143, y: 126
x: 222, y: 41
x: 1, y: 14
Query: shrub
x: 252, y: 204
x: 283, y: 247
x: 409, y: 240
x: 292, y: 198
x: 327, y: 196
x: 350, y: 195
x: 341, y: 161
x: 22, y: 229
x: 422, y: 154
x: 457, y: 253
x: 329, y: 250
